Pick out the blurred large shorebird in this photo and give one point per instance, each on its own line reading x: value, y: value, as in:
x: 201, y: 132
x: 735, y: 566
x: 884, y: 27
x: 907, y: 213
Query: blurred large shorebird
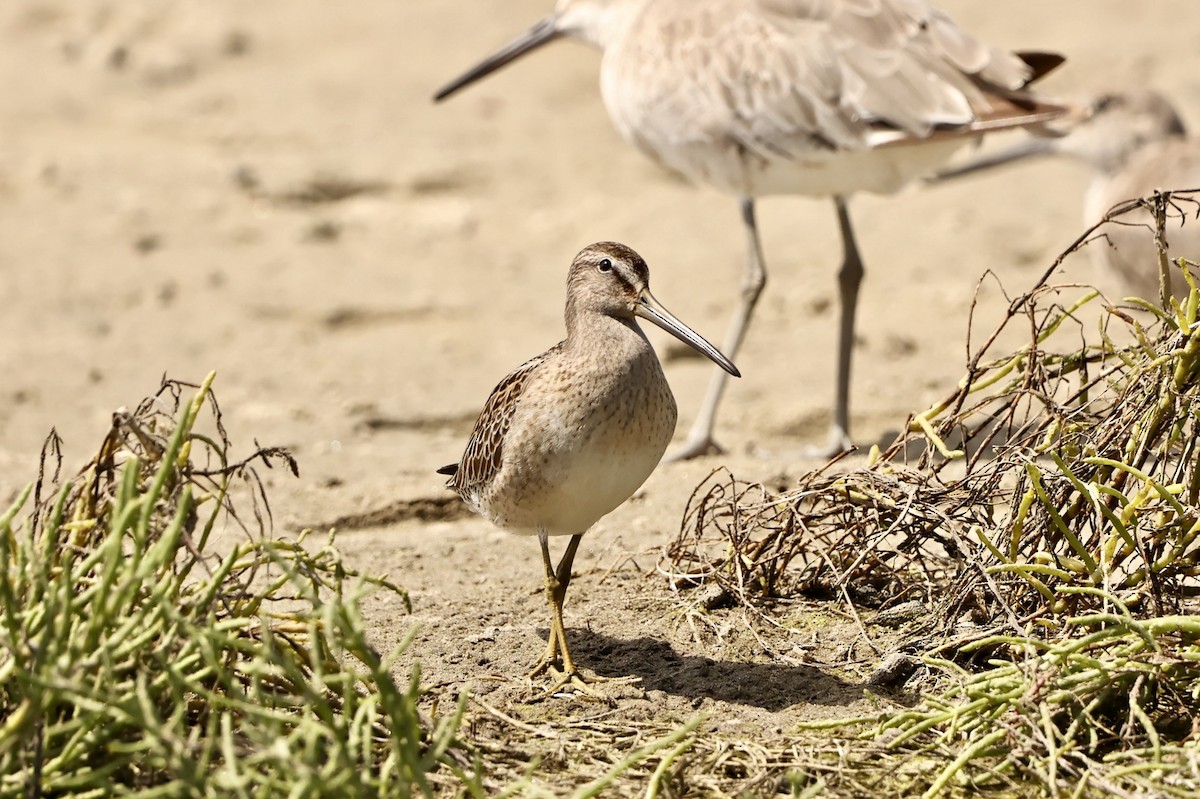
x: 814, y: 97
x: 572, y: 433
x: 1135, y: 141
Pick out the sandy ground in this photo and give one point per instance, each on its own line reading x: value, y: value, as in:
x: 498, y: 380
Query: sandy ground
x: 266, y: 190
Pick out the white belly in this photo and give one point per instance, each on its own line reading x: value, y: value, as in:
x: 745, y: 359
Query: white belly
x: 591, y: 488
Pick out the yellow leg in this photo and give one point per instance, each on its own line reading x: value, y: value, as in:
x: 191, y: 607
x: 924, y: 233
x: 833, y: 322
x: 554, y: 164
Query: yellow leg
x: 555, y: 595
x: 557, y: 657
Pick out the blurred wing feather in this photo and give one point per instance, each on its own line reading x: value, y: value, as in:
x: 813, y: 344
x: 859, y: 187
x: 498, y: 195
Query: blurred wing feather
x: 788, y: 77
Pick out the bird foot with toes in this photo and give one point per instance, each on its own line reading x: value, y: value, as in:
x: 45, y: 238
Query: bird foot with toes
x: 837, y: 443
x: 572, y: 680
x: 697, y: 448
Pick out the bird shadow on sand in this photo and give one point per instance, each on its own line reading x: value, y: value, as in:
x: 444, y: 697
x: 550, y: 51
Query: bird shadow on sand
x: 770, y: 686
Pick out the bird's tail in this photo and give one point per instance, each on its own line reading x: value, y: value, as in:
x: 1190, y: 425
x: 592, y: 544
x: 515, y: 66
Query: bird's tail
x: 1041, y: 64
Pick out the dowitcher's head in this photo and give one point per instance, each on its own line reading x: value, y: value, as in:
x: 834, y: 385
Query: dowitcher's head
x: 611, y: 279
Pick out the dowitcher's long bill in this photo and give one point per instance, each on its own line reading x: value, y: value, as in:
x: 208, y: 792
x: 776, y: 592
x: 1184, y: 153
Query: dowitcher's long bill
x: 572, y: 433
x: 816, y: 97
x: 652, y: 310
x: 1134, y: 141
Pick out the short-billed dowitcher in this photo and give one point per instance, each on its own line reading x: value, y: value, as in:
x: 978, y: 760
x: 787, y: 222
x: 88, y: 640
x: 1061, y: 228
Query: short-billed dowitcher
x: 813, y: 97
x: 572, y: 433
x: 1135, y: 142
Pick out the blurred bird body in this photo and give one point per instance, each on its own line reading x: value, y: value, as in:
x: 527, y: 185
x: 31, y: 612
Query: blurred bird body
x: 820, y: 99
x: 1135, y: 142
x: 811, y: 97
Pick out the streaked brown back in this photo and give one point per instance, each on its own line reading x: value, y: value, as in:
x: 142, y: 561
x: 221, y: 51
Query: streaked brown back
x: 485, y: 450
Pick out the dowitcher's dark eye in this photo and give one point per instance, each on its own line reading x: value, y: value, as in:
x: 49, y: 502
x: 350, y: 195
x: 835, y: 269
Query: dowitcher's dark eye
x: 605, y: 265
